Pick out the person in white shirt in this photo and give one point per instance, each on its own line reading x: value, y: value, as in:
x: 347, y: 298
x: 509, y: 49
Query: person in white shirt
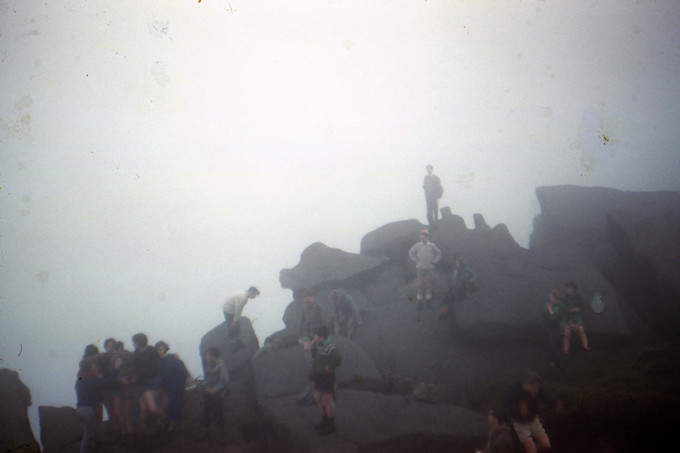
x: 425, y: 254
x: 233, y: 308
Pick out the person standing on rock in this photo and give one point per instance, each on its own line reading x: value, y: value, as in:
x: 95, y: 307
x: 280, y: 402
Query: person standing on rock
x: 554, y: 316
x: 433, y: 192
x: 233, y: 308
x: 345, y: 313
x: 312, y: 317
x: 89, y: 388
x: 573, y: 302
x: 215, y: 389
x: 325, y: 359
x: 425, y: 254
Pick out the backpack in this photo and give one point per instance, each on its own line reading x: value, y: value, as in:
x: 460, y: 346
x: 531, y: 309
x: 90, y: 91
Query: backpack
x: 438, y: 189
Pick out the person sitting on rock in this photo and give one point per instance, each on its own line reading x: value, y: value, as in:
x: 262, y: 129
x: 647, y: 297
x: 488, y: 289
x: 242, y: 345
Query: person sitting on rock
x: 345, y: 313
x: 425, y: 254
x: 573, y: 302
x: 461, y: 285
x: 325, y: 359
x: 312, y: 317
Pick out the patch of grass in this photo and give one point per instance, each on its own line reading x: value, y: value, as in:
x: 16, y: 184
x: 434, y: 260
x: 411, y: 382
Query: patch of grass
x: 627, y: 389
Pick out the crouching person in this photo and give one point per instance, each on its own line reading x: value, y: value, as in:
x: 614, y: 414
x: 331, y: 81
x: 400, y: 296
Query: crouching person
x: 325, y: 359
x: 89, y: 389
x: 215, y: 389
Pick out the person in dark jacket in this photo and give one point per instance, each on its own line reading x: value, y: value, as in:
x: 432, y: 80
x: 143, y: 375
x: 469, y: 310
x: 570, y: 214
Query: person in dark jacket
x: 147, y: 373
x: 173, y: 379
x: 325, y: 359
x: 522, y: 402
x: 89, y: 389
x: 215, y: 389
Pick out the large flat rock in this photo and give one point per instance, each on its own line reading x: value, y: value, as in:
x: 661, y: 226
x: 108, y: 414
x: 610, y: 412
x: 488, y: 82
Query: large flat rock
x: 323, y: 267
x: 372, y: 422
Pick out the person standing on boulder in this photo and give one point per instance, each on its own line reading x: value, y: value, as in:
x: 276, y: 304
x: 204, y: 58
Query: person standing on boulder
x: 345, y: 312
x: 233, y: 308
x: 425, y: 254
x: 325, y: 359
x: 433, y: 192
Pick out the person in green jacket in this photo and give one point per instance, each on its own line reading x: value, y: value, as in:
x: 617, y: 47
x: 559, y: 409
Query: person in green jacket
x: 554, y: 322
x: 325, y: 359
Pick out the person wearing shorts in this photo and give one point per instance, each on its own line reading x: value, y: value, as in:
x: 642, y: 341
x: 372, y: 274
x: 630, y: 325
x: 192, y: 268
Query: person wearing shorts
x: 425, y: 255
x: 325, y: 359
x: 522, y: 401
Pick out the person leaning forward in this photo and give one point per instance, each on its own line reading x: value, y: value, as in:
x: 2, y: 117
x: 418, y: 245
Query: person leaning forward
x: 233, y: 308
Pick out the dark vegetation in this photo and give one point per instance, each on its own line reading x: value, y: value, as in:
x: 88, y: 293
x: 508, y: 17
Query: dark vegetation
x: 623, y: 396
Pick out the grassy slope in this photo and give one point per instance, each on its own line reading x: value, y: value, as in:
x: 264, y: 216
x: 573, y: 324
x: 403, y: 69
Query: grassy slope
x: 619, y: 397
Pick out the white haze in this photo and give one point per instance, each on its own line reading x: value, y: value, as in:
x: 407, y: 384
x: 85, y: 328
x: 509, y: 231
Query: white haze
x: 157, y: 156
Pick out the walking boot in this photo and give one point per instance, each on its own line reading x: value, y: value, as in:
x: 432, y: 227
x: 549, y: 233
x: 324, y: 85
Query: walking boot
x: 329, y: 428
x: 324, y: 422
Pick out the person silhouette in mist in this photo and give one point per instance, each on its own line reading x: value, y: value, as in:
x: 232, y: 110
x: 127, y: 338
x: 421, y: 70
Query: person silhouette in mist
x: 433, y: 192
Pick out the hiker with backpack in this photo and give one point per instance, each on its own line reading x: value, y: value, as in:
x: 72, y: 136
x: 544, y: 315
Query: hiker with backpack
x: 325, y: 359
x: 433, y: 192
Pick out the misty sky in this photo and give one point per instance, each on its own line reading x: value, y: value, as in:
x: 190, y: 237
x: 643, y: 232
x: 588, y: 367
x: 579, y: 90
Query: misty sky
x: 157, y: 156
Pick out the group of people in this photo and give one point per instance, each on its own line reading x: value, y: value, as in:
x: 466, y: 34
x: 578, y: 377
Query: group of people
x: 134, y: 387
x: 562, y: 316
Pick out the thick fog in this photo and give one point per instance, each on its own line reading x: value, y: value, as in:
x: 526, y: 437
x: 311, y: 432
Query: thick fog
x: 158, y: 156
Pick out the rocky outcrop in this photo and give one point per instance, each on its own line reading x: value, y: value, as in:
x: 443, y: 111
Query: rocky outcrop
x: 321, y: 266
x: 405, y: 372
x: 378, y: 423
x: 59, y: 428
x: 632, y: 239
x: 15, y: 429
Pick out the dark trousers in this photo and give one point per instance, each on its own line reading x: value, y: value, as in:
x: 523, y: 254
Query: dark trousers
x: 175, y: 405
x: 432, y: 210
x: 236, y: 330
x: 213, y: 410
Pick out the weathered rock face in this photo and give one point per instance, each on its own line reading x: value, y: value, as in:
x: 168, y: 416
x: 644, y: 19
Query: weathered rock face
x: 59, y: 428
x: 488, y: 332
x: 322, y: 266
x: 15, y: 429
x: 374, y: 422
x: 630, y: 238
x: 284, y: 372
